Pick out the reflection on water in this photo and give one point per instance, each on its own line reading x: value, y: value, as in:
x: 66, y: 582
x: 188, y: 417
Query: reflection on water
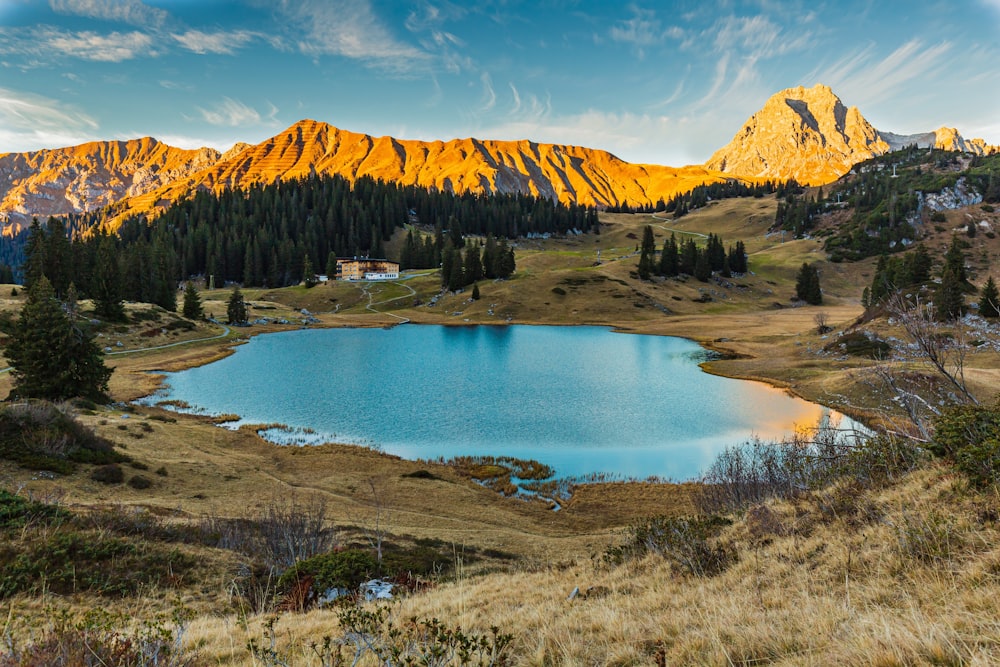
x: 581, y: 399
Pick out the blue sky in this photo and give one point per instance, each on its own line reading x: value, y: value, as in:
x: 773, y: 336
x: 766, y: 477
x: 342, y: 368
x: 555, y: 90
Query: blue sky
x: 659, y: 82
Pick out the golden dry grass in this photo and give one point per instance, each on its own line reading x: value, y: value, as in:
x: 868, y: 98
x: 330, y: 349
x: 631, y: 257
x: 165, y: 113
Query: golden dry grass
x: 903, y: 576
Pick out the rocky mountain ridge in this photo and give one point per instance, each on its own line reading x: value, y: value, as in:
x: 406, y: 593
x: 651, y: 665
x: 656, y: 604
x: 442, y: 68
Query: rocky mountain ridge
x: 88, y: 177
x: 802, y: 133
x: 809, y: 135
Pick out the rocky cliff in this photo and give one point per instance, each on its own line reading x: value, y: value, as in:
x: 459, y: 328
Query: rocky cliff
x: 88, y: 177
x: 809, y: 135
x: 802, y: 133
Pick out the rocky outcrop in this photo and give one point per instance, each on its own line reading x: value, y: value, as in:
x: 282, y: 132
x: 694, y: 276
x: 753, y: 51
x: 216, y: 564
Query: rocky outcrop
x: 944, y: 138
x: 807, y: 134
x: 88, y: 177
x: 801, y: 133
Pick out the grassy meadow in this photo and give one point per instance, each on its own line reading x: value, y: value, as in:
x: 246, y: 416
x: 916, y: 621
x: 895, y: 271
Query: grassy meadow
x: 898, y: 570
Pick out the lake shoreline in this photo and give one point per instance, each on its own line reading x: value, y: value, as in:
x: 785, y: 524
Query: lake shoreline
x: 644, y: 379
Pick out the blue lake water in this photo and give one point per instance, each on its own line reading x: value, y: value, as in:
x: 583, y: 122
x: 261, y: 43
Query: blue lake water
x: 581, y: 399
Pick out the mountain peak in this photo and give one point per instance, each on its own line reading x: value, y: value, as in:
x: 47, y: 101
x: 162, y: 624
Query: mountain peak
x: 802, y: 133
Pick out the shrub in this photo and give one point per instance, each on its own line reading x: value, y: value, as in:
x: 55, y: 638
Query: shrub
x: 857, y: 344
x: 970, y: 436
x: 17, y: 512
x: 96, y: 637
x: 40, y: 436
x: 689, y: 543
x: 66, y: 562
x: 938, y: 216
x: 108, y: 474
x: 140, y: 482
x: 161, y: 471
x: 346, y: 569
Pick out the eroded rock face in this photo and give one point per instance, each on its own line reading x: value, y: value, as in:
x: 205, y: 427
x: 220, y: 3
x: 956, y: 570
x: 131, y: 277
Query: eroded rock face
x: 809, y: 135
x: 88, y: 177
x: 801, y: 133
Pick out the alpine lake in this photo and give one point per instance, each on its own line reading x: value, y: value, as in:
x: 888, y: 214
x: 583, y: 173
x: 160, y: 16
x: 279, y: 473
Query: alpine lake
x: 582, y: 399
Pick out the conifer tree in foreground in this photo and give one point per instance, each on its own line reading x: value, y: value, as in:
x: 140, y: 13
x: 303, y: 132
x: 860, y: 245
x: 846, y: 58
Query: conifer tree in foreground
x: 192, y: 303
x: 52, y: 357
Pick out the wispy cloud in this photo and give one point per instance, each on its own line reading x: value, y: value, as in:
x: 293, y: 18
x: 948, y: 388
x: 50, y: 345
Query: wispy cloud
x: 348, y: 28
x: 225, y: 43
x: 43, y: 43
x: 233, y: 113
x: 865, y: 79
x: 132, y: 12
x: 489, y: 99
x: 114, y: 47
x: 641, y: 31
x: 29, y: 121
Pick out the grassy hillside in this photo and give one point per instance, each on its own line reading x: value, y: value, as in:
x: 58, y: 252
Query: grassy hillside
x: 891, y: 569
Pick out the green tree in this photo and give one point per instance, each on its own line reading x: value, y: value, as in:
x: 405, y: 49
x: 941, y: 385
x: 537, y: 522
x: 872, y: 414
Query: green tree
x: 807, y: 287
x: 702, y: 266
x: 949, y: 297
x: 52, y: 357
x: 192, y: 303
x: 475, y: 292
x: 647, y: 254
x: 236, y: 308
x: 668, y: 258
x: 308, y: 275
x: 989, y: 299
x: 448, y: 260
x: 34, y: 253
x: 473, y: 269
x: 107, y: 284
x: 954, y: 260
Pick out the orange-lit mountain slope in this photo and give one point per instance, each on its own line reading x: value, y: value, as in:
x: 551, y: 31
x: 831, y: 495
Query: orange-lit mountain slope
x: 568, y: 173
x: 89, y: 177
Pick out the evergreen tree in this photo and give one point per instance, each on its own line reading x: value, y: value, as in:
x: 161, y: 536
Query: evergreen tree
x: 475, y: 292
x: 949, y: 297
x: 192, y: 303
x: 954, y: 260
x: 34, y: 253
x: 668, y: 258
x: 647, y: 253
x: 107, y: 283
x: 989, y: 299
x: 807, y: 287
x: 688, y: 257
x: 236, y: 308
x: 456, y: 276
x: 58, y: 260
x: 473, y: 269
x: 505, y: 264
x: 702, y: 266
x: 448, y: 261
x: 52, y: 357
x: 489, y: 259
x: 737, y: 258
x: 308, y: 275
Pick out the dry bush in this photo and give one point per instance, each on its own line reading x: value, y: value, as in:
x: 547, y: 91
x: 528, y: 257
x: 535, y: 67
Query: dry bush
x: 277, y: 535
